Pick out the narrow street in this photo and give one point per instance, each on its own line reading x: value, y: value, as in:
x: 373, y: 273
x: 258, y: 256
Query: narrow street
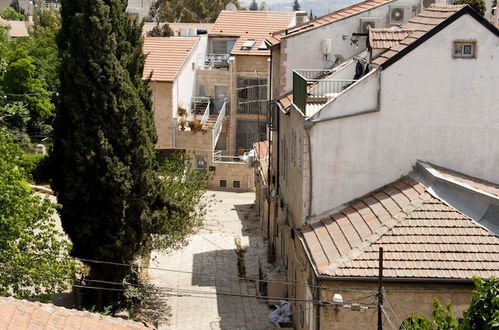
x: 205, y: 290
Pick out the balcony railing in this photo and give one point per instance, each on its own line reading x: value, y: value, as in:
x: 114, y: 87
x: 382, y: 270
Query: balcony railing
x: 316, y: 91
x: 206, y: 115
x: 199, y: 104
x: 216, y: 61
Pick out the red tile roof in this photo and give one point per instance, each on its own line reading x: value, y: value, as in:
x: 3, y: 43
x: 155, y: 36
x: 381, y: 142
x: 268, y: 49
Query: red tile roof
x: 422, y: 237
x: 258, y: 25
x: 22, y: 314
x: 420, y: 25
x: 166, y: 56
x: 386, y: 37
x: 352, y: 10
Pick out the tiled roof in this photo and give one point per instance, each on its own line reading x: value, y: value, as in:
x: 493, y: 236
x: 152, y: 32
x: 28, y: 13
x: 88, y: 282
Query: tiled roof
x: 258, y: 25
x: 18, y: 29
x: 286, y: 100
x: 148, y: 26
x: 166, y: 56
x: 22, y: 314
x: 420, y: 25
x: 385, y: 38
x: 422, y: 237
x: 352, y: 10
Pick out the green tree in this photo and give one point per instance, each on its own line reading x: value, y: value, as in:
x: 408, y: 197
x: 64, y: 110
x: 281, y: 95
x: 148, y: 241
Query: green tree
x: 104, y: 162
x: 296, y: 6
x: 188, y: 10
x: 483, y: 312
x: 11, y: 14
x: 160, y: 31
x: 184, y: 187
x: 253, y: 5
x: 484, y: 309
x: 477, y: 5
x: 34, y: 256
x: 21, y: 83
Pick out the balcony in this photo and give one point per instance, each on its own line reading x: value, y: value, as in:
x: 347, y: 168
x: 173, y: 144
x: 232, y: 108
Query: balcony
x: 215, y: 61
x: 314, y: 88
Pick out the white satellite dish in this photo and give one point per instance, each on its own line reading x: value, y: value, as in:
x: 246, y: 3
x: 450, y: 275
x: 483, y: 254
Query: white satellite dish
x: 264, y: 6
x: 231, y: 7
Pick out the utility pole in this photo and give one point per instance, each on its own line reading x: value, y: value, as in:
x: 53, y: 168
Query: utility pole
x: 380, y: 290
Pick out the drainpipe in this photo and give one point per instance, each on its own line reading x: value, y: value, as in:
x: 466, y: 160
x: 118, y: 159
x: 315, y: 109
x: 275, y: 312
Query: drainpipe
x: 269, y: 118
x: 311, y: 122
x: 310, y: 171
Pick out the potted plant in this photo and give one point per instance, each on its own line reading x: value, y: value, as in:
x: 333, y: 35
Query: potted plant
x: 181, y: 111
x: 182, y: 123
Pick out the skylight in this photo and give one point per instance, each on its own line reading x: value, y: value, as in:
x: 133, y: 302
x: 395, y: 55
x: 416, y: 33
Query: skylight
x: 248, y: 44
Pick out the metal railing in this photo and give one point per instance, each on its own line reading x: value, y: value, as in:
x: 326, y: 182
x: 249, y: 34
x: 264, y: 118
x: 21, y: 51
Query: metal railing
x: 219, y: 158
x: 215, y: 61
x: 311, y: 90
x: 199, y: 104
x: 206, y: 115
x: 313, y: 74
x: 217, y: 129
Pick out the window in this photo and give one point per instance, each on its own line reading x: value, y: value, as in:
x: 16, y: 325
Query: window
x: 252, y: 95
x: 236, y: 184
x: 249, y: 132
x: 222, y: 46
x: 464, y: 49
x: 223, y: 183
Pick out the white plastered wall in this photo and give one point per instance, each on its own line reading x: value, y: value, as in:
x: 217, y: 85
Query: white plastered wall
x: 433, y: 108
x: 304, y: 51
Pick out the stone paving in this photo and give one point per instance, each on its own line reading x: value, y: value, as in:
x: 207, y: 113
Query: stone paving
x: 201, y: 298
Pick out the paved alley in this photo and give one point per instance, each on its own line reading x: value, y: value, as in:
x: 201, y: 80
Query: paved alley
x: 202, y: 294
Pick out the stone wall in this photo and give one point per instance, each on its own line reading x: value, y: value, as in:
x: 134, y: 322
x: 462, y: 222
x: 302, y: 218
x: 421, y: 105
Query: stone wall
x: 163, y: 116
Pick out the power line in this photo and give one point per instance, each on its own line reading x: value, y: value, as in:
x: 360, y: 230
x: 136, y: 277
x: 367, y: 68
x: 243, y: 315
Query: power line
x: 294, y: 283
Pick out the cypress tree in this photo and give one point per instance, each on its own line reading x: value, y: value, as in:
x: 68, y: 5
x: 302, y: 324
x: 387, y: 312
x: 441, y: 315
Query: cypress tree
x: 296, y: 6
x: 103, y: 157
x: 253, y: 5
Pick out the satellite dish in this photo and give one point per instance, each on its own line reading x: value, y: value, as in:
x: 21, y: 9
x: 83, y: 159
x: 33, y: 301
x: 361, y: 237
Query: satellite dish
x: 231, y: 7
x: 264, y: 6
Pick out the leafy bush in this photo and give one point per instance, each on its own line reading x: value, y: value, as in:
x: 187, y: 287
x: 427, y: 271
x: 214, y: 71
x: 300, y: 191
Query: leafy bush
x: 483, y: 312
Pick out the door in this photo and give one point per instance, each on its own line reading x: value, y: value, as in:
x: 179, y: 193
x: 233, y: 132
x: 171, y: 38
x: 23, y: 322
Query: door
x: 220, y: 95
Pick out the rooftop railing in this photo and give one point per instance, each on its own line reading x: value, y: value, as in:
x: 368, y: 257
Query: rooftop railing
x: 314, y: 87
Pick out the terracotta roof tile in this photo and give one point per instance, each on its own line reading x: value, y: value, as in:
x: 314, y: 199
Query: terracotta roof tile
x: 257, y: 25
x: 422, y: 237
x: 419, y: 25
x: 166, y: 56
x: 22, y: 314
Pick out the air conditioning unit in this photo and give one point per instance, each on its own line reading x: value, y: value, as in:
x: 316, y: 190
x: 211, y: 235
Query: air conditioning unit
x: 366, y: 22
x: 399, y: 14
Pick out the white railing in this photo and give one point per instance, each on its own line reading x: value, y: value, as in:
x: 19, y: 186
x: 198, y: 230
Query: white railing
x: 219, y: 158
x: 214, y: 61
x: 217, y: 129
x: 206, y: 115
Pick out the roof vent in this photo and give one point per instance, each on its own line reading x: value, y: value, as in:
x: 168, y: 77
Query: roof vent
x: 248, y: 44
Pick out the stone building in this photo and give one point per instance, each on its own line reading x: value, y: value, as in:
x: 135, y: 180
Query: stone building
x: 422, y: 91
x: 218, y: 77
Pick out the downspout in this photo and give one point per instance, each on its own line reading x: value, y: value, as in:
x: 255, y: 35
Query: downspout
x: 318, y: 313
x: 269, y: 119
x: 310, y: 171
